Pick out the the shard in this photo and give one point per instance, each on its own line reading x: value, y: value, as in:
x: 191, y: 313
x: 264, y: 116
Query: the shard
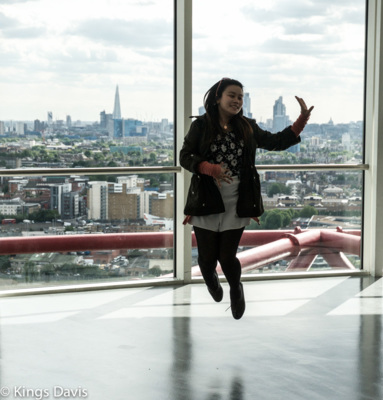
x: 117, y: 107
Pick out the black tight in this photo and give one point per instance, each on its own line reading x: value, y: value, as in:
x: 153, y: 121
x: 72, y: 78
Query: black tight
x: 222, y: 247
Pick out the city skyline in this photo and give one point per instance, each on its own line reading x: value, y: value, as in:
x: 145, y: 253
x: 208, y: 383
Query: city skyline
x: 116, y: 113
x: 67, y: 58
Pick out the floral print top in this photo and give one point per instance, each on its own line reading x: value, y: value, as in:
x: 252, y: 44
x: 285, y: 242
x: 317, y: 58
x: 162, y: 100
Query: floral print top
x: 227, y: 149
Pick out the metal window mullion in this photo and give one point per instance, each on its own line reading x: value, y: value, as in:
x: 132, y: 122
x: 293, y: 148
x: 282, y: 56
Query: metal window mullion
x: 373, y: 195
x: 183, y: 108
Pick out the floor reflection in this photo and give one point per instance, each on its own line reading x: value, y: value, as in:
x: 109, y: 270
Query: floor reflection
x: 182, y: 351
x: 370, y: 344
x: 237, y: 389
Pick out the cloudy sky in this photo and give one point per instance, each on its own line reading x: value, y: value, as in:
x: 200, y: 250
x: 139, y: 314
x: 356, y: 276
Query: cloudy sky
x: 67, y: 57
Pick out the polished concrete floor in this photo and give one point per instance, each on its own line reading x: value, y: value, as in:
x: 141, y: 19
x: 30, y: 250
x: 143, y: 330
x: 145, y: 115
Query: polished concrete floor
x: 299, y: 339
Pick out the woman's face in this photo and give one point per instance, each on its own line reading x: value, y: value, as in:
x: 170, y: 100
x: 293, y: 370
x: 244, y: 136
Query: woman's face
x: 231, y: 101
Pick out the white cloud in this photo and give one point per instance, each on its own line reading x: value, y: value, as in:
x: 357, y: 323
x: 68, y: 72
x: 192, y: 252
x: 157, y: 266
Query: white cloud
x: 6, y: 22
x: 279, y: 48
x: 153, y: 34
x: 23, y: 33
x: 70, y: 55
x: 15, y: 1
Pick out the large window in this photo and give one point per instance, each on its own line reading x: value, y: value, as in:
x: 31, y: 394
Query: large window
x: 280, y: 49
x: 86, y: 85
x: 89, y: 86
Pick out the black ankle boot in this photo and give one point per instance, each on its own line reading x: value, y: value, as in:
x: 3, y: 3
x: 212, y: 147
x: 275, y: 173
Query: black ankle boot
x: 238, y: 304
x: 217, y: 292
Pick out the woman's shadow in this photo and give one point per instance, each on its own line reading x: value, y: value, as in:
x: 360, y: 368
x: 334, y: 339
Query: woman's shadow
x: 237, y: 391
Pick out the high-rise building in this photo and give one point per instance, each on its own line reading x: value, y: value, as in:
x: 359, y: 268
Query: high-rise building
x: 110, y: 126
x: 162, y: 204
x: 69, y: 205
x: 56, y: 195
x: 2, y: 128
x: 280, y: 119
x: 117, y: 128
x: 247, y: 106
x: 50, y: 118
x: 97, y: 197
x: 164, y: 125
x: 20, y: 128
x: 133, y: 127
x: 37, y: 125
x: 123, y: 202
x: 106, y: 122
x: 346, y: 141
x: 103, y: 119
x: 68, y: 121
x: 117, y: 107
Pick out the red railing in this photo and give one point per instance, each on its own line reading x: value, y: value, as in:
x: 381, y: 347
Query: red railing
x: 301, y: 247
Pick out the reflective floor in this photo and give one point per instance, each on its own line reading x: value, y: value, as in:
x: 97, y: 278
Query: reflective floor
x: 299, y: 339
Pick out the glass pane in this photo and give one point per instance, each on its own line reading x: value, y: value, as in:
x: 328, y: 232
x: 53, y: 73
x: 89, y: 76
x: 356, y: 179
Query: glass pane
x: 86, y: 83
x: 280, y: 49
x: 93, y: 229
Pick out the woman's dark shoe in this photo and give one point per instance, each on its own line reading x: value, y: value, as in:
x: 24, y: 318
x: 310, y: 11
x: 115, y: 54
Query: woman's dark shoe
x: 217, y: 293
x: 238, y: 304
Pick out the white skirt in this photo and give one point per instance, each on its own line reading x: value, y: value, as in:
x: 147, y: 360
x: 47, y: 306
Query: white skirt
x: 227, y: 220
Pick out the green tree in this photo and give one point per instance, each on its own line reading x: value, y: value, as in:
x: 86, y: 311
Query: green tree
x: 44, y: 215
x: 286, y: 218
x: 26, y: 153
x: 98, y: 157
x: 273, y: 220
x: 293, y: 213
x: 278, y: 188
x: 308, y: 212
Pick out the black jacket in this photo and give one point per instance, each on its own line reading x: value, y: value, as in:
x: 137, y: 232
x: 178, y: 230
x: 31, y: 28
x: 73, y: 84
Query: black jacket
x: 204, y: 196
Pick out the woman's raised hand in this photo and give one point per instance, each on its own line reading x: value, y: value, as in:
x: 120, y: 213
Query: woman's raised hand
x: 304, y: 110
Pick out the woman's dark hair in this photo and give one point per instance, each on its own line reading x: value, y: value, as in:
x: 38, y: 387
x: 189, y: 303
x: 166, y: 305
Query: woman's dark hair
x: 238, y: 122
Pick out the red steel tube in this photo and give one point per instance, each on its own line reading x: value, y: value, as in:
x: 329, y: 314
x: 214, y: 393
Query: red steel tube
x: 110, y: 241
x: 262, y: 255
x: 144, y: 240
x: 341, y: 241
